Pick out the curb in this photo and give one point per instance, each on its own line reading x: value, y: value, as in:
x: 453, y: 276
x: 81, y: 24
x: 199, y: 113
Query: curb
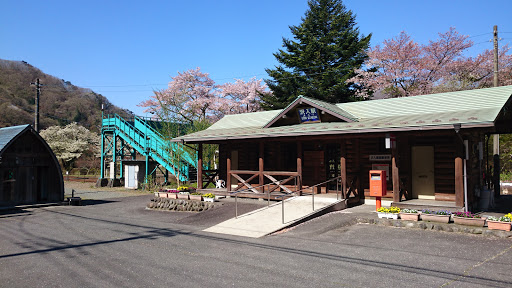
x: 436, y: 227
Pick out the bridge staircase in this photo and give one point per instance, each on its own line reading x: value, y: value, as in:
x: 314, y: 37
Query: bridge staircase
x: 140, y: 135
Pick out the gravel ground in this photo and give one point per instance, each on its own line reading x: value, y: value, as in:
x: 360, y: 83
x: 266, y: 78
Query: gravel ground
x: 87, y: 191
x: 117, y: 243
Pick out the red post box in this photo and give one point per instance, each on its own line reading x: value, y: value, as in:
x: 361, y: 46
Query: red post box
x: 378, y: 184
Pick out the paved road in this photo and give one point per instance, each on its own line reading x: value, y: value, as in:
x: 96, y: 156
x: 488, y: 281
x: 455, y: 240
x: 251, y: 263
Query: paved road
x: 117, y: 243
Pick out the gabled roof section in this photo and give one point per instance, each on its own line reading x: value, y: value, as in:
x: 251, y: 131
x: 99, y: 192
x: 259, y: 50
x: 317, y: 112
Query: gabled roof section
x: 9, y: 134
x: 325, y: 107
x: 254, y: 119
x: 448, y: 102
x: 479, y: 108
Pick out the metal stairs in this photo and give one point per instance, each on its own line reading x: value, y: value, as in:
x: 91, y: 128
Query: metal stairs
x: 148, y: 142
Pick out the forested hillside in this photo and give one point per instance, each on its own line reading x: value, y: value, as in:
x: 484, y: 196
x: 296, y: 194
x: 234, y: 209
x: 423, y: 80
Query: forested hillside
x: 60, y: 102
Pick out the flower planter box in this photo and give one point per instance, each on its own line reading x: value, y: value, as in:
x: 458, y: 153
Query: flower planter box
x: 479, y: 222
x: 196, y: 197
x: 435, y: 218
x: 209, y: 199
x: 410, y: 216
x: 172, y: 195
x: 183, y: 196
x: 387, y: 215
x: 498, y: 225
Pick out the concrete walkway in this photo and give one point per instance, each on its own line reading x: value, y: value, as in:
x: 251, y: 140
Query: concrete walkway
x: 267, y: 220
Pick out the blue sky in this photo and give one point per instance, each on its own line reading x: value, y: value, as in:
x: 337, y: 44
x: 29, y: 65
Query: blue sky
x: 125, y: 49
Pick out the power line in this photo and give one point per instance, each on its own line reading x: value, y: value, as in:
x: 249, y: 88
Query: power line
x: 489, y: 33
x: 43, y: 114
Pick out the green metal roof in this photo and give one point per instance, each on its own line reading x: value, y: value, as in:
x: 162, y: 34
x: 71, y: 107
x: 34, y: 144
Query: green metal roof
x: 472, y: 108
x: 333, y: 108
x: 328, y: 107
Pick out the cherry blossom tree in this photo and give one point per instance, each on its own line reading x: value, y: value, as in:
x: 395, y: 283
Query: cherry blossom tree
x: 241, y: 96
x: 402, y: 67
x: 192, y: 102
x: 478, y: 72
x: 189, y: 97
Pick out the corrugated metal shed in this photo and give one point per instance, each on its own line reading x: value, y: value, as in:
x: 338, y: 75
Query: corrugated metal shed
x: 472, y: 108
x: 8, y: 134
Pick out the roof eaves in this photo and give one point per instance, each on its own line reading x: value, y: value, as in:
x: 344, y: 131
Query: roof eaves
x: 295, y: 133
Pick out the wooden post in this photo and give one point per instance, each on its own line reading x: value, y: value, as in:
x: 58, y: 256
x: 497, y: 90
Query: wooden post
x: 260, y: 165
x: 395, y: 173
x: 200, y: 166
x: 459, y: 183
x: 357, y: 163
x: 299, y: 166
x: 396, y: 180
x: 406, y: 164
x: 343, y: 169
x: 228, y: 167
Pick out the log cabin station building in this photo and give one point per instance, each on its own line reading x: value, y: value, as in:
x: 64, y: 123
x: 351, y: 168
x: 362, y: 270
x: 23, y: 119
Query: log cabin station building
x: 433, y: 147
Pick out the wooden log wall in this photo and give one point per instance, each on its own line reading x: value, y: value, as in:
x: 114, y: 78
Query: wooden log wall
x: 280, y: 155
x: 445, y: 151
x: 367, y: 147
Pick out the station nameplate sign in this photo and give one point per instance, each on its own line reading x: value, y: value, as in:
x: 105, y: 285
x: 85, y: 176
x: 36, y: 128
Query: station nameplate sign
x: 382, y: 157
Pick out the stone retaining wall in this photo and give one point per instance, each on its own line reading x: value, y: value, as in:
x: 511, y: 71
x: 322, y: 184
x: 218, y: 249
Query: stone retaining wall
x: 167, y: 204
x: 437, y: 227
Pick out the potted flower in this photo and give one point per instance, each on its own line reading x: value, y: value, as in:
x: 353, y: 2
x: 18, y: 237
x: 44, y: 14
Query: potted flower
x: 196, y: 196
x: 172, y: 193
x: 393, y: 212
x: 183, y: 192
x: 442, y: 216
x: 502, y: 223
x: 468, y: 218
x: 382, y: 212
x: 161, y: 193
x: 409, y: 215
x: 209, y: 197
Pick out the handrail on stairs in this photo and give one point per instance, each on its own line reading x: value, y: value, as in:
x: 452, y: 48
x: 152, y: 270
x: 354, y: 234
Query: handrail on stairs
x: 154, y: 146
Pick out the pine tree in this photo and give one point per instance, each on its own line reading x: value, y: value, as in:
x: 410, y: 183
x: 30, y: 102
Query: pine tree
x: 321, y: 57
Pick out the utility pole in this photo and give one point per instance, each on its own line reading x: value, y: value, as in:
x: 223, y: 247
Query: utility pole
x: 496, y: 138
x: 38, y: 93
x: 495, y: 33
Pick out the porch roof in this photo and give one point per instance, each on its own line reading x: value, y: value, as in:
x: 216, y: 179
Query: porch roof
x: 471, y: 108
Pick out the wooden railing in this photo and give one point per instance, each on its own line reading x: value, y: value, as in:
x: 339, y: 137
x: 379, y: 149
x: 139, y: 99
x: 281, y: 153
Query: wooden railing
x: 270, y: 175
x: 209, y: 176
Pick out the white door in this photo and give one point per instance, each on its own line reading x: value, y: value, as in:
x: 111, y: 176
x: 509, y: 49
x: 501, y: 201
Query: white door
x: 423, y: 185
x: 131, y: 177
